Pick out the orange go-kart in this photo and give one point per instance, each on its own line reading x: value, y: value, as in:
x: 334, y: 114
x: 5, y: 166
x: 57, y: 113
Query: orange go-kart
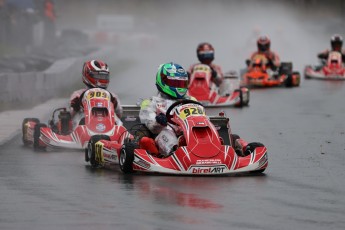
x: 259, y: 75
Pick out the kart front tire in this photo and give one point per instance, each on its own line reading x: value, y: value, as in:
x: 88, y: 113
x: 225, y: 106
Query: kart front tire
x: 289, y: 81
x: 90, y: 152
x: 245, y: 96
x: 127, y: 157
x: 24, y: 129
x: 240, y: 103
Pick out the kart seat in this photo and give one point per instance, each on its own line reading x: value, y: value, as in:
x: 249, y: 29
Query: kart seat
x: 99, y: 112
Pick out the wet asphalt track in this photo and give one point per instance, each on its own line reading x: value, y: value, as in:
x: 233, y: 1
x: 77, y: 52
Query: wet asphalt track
x: 303, y: 187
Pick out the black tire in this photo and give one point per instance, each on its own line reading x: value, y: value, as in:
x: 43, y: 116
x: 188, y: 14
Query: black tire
x: 26, y: 120
x: 90, y: 152
x: 289, y: 81
x: 251, y: 147
x: 127, y: 157
x: 37, y: 134
x: 299, y: 79
x: 86, y: 154
x: 240, y: 104
x: 246, y: 102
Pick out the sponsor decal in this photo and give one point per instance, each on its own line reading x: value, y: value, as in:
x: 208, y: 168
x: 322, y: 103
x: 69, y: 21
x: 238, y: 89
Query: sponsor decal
x: 110, y: 156
x: 99, y: 104
x: 200, y: 123
x: 100, y: 127
x: 143, y: 164
x: 209, y: 162
x: 181, y: 71
x: 215, y: 169
x: 263, y: 160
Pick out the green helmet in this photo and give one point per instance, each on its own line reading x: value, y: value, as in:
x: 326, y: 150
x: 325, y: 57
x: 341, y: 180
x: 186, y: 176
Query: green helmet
x: 172, y: 80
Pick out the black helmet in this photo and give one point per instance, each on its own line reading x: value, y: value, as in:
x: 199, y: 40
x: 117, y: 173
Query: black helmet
x: 336, y: 42
x: 263, y: 43
x: 205, y: 53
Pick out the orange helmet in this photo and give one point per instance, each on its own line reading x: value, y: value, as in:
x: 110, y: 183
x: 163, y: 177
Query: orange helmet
x: 96, y: 74
x: 263, y: 43
x: 205, y: 52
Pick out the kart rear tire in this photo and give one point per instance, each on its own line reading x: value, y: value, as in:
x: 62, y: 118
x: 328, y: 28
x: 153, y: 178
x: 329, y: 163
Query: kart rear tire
x: 127, y: 157
x: 90, y: 152
x: 26, y: 120
x: 37, y: 134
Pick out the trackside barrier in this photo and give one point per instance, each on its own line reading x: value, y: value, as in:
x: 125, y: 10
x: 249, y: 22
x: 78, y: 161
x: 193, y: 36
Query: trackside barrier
x: 35, y: 87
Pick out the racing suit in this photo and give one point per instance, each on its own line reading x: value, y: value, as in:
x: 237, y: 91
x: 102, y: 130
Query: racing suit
x: 165, y: 139
x: 77, y: 111
x: 324, y: 55
x: 272, y: 57
x: 217, y: 73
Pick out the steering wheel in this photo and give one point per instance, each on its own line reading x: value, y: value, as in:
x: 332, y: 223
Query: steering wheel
x: 177, y: 103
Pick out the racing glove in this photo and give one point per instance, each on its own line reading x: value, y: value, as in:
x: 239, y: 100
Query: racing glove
x: 75, y: 104
x: 214, y: 73
x: 161, y: 119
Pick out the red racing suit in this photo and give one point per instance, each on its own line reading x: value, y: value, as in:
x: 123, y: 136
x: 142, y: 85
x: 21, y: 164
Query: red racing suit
x: 217, y: 73
x: 324, y: 55
x: 272, y: 57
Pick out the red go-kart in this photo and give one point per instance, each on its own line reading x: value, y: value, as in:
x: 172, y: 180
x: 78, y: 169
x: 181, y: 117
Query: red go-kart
x: 99, y: 119
x: 333, y: 69
x: 208, y: 148
x: 205, y: 91
x: 258, y: 75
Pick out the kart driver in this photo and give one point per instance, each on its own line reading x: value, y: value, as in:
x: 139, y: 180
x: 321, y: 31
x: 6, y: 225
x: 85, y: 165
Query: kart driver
x: 95, y: 74
x: 172, y: 84
x: 263, y: 44
x: 336, y: 45
x: 205, y: 53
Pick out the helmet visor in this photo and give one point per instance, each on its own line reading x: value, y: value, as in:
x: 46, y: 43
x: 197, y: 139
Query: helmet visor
x: 336, y: 45
x: 206, y: 54
x: 263, y: 47
x: 175, y: 82
x: 100, y: 75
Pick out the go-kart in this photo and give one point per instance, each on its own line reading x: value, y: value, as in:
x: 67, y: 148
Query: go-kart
x: 208, y: 148
x: 99, y: 119
x: 258, y: 75
x: 333, y: 69
x: 205, y: 91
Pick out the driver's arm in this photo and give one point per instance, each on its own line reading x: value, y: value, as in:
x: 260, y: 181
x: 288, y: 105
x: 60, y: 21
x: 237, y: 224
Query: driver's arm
x: 148, y: 115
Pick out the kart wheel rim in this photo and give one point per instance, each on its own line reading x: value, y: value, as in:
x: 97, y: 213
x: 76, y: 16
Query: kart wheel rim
x: 122, y: 157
